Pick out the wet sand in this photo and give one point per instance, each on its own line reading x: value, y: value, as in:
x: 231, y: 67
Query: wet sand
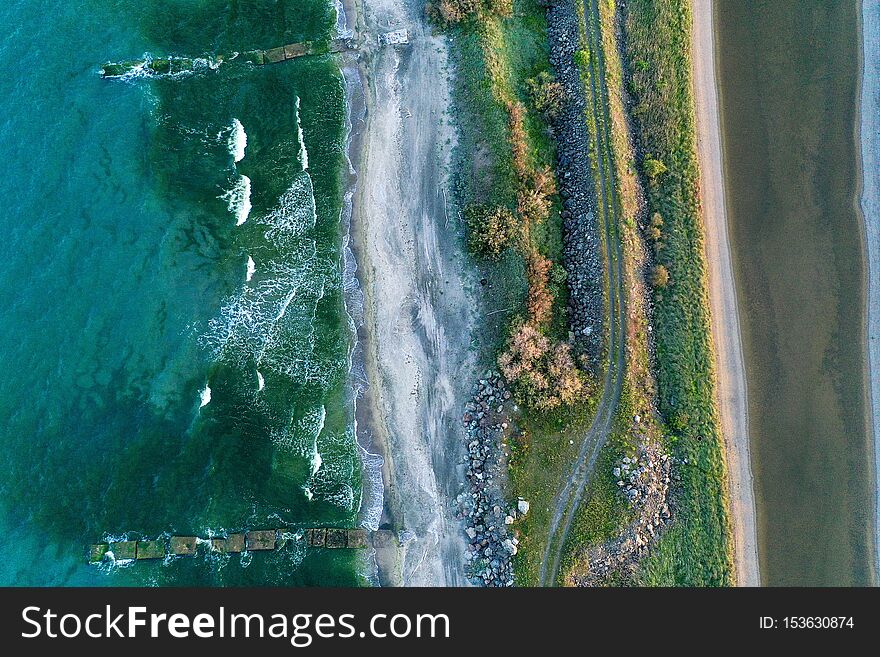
x: 730, y: 368
x: 419, y: 318
x: 870, y: 201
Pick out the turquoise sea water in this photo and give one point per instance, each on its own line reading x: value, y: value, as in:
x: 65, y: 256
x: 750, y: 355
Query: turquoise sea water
x: 172, y: 362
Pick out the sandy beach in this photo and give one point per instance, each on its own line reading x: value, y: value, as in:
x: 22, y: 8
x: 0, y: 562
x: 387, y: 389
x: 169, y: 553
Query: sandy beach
x: 418, y: 317
x: 730, y: 369
x: 870, y: 203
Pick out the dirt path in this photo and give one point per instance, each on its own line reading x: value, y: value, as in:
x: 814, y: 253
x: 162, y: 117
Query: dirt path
x: 729, y: 365
x: 419, y: 317
x: 570, y: 497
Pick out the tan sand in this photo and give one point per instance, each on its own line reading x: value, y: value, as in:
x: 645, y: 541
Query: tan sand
x: 419, y: 317
x: 732, y: 391
x: 870, y: 201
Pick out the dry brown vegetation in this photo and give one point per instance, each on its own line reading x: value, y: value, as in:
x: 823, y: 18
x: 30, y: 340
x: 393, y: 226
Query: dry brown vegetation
x: 450, y: 12
x: 491, y: 230
x: 543, y: 374
x: 540, y: 298
x: 541, y: 369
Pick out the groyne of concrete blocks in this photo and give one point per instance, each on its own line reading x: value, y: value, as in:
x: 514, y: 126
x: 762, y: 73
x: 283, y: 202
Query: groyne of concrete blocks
x: 250, y: 541
x: 159, y: 66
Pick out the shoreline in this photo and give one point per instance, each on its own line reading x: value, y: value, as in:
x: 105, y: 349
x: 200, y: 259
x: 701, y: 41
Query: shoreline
x: 418, y: 314
x: 868, y: 109
x: 369, y: 452
x: 729, y: 363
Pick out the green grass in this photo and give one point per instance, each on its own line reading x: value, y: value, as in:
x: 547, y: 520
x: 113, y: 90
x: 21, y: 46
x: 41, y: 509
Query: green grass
x: 547, y: 444
x: 484, y: 158
x: 696, y: 550
x: 604, y: 512
x: 542, y: 458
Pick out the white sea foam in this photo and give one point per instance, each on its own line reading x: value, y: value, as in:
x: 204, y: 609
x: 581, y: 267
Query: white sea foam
x: 251, y: 269
x: 372, y: 489
x: 196, y: 66
x: 294, y: 215
x: 342, y: 29
x: 300, y: 436
x: 303, y: 151
x: 237, y: 141
x: 331, y: 482
x: 261, y: 382
x: 205, y: 396
x: 140, y: 70
x: 319, y: 427
x: 238, y: 199
x: 272, y: 321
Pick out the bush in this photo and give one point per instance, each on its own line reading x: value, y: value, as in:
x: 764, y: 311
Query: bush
x: 540, y: 303
x: 503, y: 8
x: 450, y: 12
x: 519, y: 143
x: 659, y: 276
x: 547, y: 94
x: 533, y: 202
x: 491, y: 230
x: 544, y: 376
x: 653, y: 167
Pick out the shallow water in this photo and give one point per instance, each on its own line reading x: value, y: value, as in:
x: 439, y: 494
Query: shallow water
x: 176, y: 348
x: 789, y: 73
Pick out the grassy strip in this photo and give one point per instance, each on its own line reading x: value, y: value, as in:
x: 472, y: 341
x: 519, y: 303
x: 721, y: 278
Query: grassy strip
x: 494, y: 57
x: 604, y: 511
x: 697, y: 549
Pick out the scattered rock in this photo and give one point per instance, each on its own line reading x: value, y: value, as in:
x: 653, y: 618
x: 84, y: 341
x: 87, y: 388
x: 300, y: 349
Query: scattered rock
x: 486, y: 512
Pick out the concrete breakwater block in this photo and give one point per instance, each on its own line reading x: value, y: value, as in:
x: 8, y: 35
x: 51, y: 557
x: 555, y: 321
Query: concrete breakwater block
x: 151, y: 549
x: 254, y: 540
x: 385, y: 538
x: 356, y: 539
x: 317, y: 537
x: 184, y: 546
x: 297, y: 50
x: 287, y: 535
x: 124, y: 550
x: 97, y: 552
x: 231, y: 544
x: 254, y: 57
x: 261, y: 540
x: 274, y: 55
x: 336, y: 538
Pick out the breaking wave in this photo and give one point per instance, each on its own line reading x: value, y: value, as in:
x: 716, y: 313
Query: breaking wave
x: 301, y: 140
x: 238, y: 200
x: 272, y: 323
x: 237, y: 141
x: 205, y: 396
x: 331, y: 482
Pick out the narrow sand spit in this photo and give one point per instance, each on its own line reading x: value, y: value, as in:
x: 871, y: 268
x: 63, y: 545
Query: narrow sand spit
x: 729, y: 362
x: 870, y: 142
x: 418, y: 316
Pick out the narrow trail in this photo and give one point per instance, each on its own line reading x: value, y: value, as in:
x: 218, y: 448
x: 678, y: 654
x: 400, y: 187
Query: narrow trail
x: 569, y: 498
